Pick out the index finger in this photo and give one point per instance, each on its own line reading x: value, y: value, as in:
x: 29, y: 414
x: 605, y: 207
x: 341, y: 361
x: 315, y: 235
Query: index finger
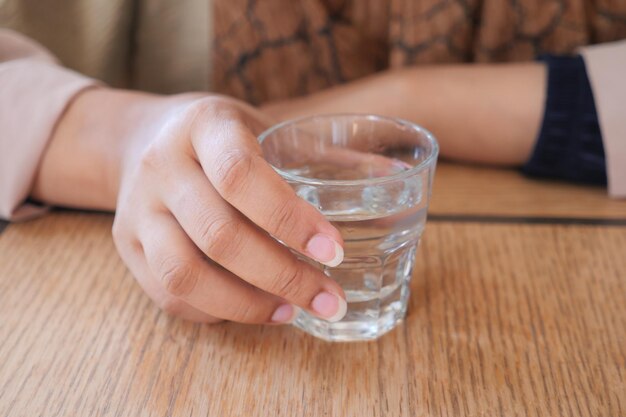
x: 233, y: 161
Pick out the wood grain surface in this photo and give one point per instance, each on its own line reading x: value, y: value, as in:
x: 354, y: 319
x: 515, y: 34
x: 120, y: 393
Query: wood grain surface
x: 478, y: 191
x: 504, y: 320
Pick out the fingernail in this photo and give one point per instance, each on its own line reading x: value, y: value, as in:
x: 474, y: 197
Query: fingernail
x: 330, y: 306
x: 325, y: 250
x: 286, y: 313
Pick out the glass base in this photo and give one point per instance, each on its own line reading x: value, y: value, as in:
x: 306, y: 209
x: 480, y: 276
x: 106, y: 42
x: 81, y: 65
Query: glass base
x: 352, y: 330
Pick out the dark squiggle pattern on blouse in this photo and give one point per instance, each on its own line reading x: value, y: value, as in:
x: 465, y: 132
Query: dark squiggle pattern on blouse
x: 272, y: 49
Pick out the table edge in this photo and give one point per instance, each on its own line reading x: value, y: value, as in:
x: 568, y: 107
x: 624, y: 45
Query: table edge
x: 539, y: 220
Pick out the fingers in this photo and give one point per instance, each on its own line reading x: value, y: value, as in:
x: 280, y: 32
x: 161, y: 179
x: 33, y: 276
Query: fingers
x: 226, y: 237
x: 232, y: 160
x: 133, y: 257
x: 185, y: 274
x: 214, y: 197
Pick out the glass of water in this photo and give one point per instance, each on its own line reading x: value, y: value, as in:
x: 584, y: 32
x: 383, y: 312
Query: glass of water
x: 371, y: 177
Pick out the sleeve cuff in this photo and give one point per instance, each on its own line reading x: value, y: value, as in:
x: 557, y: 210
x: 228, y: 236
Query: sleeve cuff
x: 35, y: 95
x: 606, y: 66
x: 569, y: 145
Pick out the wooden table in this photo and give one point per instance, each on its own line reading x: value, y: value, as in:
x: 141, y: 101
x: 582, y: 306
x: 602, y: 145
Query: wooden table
x: 518, y: 309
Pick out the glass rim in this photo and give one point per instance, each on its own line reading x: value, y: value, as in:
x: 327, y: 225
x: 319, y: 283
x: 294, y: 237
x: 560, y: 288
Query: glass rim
x: 430, y: 158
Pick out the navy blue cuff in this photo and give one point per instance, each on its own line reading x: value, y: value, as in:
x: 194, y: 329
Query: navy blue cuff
x: 569, y: 146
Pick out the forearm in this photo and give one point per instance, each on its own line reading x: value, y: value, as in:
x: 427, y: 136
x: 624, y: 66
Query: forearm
x: 93, y: 141
x: 479, y: 113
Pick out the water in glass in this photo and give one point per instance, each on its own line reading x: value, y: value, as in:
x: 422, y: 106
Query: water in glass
x: 381, y: 227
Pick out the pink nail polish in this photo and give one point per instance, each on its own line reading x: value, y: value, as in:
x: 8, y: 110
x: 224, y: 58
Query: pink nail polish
x: 286, y: 313
x: 325, y: 250
x: 329, y: 306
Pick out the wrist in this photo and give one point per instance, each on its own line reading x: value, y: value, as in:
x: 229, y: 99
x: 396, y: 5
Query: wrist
x: 94, y: 141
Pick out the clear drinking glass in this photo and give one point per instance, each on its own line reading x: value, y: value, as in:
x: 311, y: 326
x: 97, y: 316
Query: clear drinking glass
x: 370, y: 176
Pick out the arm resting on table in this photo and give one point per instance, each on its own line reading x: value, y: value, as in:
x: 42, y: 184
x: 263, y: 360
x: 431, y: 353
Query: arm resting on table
x: 35, y: 93
x: 63, y: 142
x: 466, y: 106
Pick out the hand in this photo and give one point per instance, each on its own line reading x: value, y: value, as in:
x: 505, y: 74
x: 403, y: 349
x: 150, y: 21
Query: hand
x: 197, y: 209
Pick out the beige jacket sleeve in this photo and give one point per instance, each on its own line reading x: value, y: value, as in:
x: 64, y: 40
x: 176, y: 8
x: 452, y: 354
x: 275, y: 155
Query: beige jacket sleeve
x: 34, y: 92
x: 606, y: 68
